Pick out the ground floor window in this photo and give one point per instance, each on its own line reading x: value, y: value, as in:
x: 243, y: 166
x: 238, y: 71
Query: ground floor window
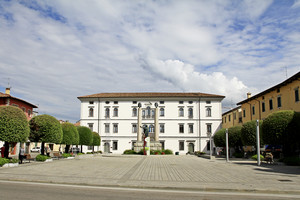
x: 115, y: 145
x: 181, y: 145
x: 208, y: 146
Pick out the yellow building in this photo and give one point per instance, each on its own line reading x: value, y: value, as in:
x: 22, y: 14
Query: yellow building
x: 284, y: 96
x: 232, y: 118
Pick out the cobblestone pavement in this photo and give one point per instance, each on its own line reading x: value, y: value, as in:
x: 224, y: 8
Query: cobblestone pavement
x: 182, y: 172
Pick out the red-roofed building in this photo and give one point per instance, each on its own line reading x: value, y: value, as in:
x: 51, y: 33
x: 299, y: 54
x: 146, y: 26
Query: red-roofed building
x: 28, y: 108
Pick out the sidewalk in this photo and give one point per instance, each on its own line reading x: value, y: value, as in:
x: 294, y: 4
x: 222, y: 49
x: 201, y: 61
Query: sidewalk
x: 172, y: 172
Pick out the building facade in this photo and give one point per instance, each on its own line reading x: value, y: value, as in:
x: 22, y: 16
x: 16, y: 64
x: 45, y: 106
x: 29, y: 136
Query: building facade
x: 232, y: 118
x: 182, y: 122
x: 283, y: 96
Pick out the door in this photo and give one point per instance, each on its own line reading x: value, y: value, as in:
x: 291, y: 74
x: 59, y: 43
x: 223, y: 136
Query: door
x: 191, y: 148
x: 106, y: 147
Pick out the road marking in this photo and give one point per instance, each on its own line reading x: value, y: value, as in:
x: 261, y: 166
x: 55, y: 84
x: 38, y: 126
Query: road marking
x: 238, y: 193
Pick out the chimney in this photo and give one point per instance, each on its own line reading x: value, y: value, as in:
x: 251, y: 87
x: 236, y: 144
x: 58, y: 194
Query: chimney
x: 7, y: 91
x: 248, y: 95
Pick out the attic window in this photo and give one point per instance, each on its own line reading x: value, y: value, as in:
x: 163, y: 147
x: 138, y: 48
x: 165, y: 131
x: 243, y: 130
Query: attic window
x: 278, y: 90
x: 107, y: 102
x: 91, y: 102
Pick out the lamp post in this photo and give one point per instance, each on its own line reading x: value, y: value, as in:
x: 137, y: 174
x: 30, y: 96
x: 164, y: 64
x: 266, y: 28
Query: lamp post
x: 227, y: 146
x: 258, y: 142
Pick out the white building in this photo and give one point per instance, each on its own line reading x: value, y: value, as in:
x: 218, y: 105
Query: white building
x: 182, y: 122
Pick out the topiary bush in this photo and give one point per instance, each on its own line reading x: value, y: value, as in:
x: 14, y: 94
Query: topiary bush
x: 292, y: 161
x: 220, y: 138
x: 41, y: 158
x: 234, y: 136
x: 66, y: 155
x: 3, y: 161
x: 129, y: 151
x: 168, y: 151
x: 248, y: 133
x: 254, y: 157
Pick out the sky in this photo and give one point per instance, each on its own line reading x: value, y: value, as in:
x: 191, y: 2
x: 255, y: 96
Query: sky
x: 52, y: 51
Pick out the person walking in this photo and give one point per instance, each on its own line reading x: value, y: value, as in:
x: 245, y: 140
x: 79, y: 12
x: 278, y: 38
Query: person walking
x: 21, y: 154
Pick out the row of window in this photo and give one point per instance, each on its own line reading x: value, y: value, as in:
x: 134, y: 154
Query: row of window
x: 149, y: 112
x: 151, y: 128
x: 160, y: 102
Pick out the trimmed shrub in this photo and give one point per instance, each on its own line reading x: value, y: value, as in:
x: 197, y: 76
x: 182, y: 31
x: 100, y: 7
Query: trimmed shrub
x: 168, y: 151
x: 292, y: 161
x: 13, y: 124
x: 3, y: 161
x: 198, y: 153
x: 239, y: 155
x: 254, y: 157
x: 234, y: 136
x: 129, y: 151
x: 85, y: 136
x: 157, y: 152
x: 80, y: 154
x: 41, y: 158
x: 220, y: 138
x: 66, y: 155
x: 248, y: 133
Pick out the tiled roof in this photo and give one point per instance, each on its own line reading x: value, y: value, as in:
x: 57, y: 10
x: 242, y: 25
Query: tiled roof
x: 149, y: 95
x: 287, y: 81
x: 3, y: 95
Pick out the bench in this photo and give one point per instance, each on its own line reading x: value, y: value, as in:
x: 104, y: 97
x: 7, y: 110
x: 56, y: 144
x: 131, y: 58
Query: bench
x: 27, y: 157
x: 57, y: 155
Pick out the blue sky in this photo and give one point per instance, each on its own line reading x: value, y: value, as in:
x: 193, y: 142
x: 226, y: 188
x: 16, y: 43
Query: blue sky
x: 54, y: 51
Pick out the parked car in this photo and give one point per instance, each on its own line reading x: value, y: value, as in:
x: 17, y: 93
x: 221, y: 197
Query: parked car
x: 36, y: 149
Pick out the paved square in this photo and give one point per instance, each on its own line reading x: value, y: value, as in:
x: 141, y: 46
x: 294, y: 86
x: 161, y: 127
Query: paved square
x: 185, y: 172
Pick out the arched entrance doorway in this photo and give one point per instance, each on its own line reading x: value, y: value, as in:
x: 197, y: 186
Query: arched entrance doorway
x: 106, y: 147
x: 191, y: 148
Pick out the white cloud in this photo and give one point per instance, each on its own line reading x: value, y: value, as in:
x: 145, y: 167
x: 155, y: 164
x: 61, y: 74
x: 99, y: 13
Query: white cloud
x: 59, y: 50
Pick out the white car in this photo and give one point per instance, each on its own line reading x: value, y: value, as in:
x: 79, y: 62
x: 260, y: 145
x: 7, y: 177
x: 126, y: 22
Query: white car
x: 36, y: 149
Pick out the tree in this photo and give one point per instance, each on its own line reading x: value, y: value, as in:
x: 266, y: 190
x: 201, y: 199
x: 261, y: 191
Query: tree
x: 13, y: 126
x: 69, y: 135
x: 85, y: 136
x: 282, y: 128
x: 220, y: 138
x: 234, y: 137
x: 248, y: 133
x: 45, y: 128
x: 96, y: 139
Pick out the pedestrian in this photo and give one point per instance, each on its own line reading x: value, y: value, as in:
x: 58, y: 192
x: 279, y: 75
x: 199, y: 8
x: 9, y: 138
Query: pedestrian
x: 21, y: 154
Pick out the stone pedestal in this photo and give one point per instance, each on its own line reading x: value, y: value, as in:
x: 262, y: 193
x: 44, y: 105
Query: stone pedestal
x: 153, y: 146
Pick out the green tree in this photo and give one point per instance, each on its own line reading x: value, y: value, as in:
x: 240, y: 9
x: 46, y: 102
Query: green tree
x: 282, y: 128
x: 248, y: 133
x: 220, y: 138
x: 234, y: 137
x: 13, y: 126
x: 85, y: 136
x: 45, y: 128
x: 69, y: 135
x: 96, y: 139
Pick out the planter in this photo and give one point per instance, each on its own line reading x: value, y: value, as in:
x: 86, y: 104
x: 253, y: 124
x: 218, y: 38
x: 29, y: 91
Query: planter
x: 70, y: 158
x: 6, y: 165
x: 49, y: 160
